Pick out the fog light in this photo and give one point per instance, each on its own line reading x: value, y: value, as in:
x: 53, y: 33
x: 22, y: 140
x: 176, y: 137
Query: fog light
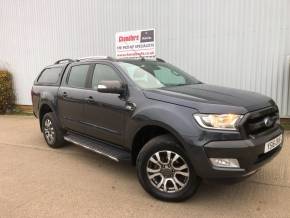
x: 225, y: 162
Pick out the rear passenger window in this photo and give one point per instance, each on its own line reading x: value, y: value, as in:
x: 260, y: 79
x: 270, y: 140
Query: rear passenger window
x: 50, y: 75
x: 78, y: 75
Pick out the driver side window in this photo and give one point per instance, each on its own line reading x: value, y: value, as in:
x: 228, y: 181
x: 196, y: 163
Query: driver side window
x: 103, y: 72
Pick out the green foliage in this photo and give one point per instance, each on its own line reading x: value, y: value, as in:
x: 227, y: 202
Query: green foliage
x: 6, y: 92
x: 286, y: 125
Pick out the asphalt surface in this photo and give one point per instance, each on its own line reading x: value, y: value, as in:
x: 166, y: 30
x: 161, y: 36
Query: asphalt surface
x: 36, y: 181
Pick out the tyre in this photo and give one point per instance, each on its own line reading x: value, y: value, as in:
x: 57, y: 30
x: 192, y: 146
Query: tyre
x: 164, y: 170
x: 52, y: 131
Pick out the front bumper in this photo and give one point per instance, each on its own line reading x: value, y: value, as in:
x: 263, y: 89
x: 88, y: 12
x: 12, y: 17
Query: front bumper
x: 249, y: 153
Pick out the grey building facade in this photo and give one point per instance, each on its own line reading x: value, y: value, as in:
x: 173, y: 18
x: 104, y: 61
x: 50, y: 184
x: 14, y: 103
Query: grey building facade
x: 237, y: 43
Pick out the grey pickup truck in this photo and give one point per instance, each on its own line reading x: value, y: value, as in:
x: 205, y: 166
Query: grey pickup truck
x: 174, y: 128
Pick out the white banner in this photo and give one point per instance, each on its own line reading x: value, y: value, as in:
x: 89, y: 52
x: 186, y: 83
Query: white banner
x: 134, y: 44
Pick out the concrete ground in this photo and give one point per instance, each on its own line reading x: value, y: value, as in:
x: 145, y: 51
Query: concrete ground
x: 36, y: 181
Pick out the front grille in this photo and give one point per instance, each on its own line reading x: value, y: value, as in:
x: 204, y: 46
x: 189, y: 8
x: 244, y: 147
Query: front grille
x: 261, y: 120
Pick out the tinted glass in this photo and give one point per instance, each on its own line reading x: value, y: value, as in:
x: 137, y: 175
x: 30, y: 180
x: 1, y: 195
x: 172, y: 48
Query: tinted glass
x: 50, y: 76
x: 168, y: 76
x: 103, y: 72
x: 154, y: 74
x: 78, y: 75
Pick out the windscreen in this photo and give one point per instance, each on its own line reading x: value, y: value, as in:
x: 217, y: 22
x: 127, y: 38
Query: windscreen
x: 153, y: 74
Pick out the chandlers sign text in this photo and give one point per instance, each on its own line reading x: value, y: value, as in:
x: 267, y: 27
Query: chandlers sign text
x: 133, y: 44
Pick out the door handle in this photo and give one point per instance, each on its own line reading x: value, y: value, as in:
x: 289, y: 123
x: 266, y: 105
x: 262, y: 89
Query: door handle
x: 90, y: 99
x: 64, y: 94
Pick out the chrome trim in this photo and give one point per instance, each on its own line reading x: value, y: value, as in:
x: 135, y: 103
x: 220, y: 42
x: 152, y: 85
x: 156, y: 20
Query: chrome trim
x: 94, y: 57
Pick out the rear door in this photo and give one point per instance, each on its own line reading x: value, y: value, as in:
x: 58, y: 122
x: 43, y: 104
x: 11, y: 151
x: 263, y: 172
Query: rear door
x: 71, y: 99
x: 104, y: 112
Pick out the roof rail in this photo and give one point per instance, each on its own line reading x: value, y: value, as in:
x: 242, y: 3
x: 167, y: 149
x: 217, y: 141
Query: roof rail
x: 159, y: 59
x: 95, y: 58
x: 66, y: 60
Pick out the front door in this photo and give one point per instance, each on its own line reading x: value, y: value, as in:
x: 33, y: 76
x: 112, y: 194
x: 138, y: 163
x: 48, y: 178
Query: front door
x: 104, y: 112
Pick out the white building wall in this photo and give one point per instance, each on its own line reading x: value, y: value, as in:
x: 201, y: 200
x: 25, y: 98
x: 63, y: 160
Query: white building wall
x: 236, y: 43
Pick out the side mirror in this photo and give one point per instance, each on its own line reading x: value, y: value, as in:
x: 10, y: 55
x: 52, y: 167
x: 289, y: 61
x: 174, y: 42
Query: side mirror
x: 111, y: 86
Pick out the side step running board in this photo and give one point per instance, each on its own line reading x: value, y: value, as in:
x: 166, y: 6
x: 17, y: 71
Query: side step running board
x: 108, y: 150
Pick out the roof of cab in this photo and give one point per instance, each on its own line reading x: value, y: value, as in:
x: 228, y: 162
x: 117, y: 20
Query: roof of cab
x: 66, y: 61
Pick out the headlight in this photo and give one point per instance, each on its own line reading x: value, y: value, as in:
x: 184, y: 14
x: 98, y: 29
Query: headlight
x: 218, y: 121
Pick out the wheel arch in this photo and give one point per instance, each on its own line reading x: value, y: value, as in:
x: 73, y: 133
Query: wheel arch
x: 146, y: 132
x: 44, y: 108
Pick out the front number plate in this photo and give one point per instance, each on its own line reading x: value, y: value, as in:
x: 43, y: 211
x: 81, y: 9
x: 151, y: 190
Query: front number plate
x: 270, y: 145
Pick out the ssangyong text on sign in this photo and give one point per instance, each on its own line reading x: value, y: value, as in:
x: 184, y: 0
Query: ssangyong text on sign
x: 134, y: 44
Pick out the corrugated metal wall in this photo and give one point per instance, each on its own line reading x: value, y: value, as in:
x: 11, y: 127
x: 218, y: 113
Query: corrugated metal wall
x: 237, y: 43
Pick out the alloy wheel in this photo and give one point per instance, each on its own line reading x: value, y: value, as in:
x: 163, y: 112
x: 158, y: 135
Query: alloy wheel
x: 167, y: 171
x: 49, y: 131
